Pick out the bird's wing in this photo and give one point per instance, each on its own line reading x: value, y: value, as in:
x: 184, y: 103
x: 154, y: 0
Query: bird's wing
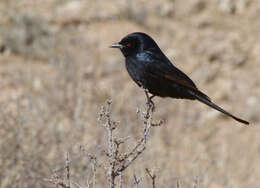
x: 162, y: 67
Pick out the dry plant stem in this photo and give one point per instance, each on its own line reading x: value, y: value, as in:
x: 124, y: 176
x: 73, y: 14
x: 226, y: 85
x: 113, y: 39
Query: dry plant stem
x: 153, y: 177
x: 111, y: 147
x: 121, y: 180
x: 136, y: 181
x: 178, y: 184
x: 196, y: 183
x: 59, y: 181
x: 94, y: 173
x: 68, y: 170
x: 140, y: 146
x: 95, y: 164
x: 76, y: 184
x: 119, y: 162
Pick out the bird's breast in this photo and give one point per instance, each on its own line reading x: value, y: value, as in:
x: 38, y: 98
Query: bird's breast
x: 136, y: 70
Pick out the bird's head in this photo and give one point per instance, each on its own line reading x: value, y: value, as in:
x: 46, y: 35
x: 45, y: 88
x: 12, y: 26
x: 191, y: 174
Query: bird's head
x: 135, y: 43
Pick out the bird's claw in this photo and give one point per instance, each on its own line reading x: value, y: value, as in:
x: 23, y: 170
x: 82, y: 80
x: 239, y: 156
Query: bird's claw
x: 150, y: 104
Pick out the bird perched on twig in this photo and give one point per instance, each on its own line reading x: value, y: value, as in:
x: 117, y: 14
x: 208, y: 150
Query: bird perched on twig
x: 153, y: 71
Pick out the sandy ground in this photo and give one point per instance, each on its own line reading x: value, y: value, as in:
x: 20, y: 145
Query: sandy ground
x: 56, y: 71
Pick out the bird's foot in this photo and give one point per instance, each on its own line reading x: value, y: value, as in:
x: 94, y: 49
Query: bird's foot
x: 150, y: 104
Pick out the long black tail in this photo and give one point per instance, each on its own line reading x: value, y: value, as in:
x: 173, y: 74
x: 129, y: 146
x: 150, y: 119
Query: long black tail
x: 206, y: 100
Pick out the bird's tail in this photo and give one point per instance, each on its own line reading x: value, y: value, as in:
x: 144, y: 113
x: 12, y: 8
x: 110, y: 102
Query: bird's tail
x: 206, y: 100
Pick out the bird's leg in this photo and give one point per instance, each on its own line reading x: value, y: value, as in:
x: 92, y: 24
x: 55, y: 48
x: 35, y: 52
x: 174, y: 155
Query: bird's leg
x: 152, y: 103
x: 152, y: 97
x: 149, y: 102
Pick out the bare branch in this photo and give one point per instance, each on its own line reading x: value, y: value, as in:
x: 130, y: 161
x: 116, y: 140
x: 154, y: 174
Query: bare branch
x: 76, y: 184
x: 117, y: 162
x: 68, y: 170
x: 152, y: 176
x: 178, y: 184
x: 120, y: 180
x: 136, y: 181
x: 59, y: 181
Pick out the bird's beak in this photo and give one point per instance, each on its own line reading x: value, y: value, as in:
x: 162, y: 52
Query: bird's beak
x: 120, y: 46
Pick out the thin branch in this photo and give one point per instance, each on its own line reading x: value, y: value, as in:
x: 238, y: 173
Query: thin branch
x: 140, y: 146
x: 120, y: 180
x: 118, y: 162
x: 94, y: 173
x: 68, y: 170
x: 178, y: 184
x: 136, y: 181
x: 152, y: 176
x: 59, y: 181
x: 76, y: 184
x: 196, y: 182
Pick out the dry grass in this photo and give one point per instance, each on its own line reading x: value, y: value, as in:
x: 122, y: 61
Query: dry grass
x: 56, y: 70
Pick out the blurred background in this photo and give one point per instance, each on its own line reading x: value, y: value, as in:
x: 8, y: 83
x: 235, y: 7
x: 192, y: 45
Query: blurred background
x: 56, y: 71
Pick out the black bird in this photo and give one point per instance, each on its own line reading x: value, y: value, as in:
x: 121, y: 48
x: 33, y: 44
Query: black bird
x: 153, y: 71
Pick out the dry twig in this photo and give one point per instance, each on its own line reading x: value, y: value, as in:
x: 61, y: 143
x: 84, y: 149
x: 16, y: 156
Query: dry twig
x: 152, y: 176
x: 136, y: 181
x: 119, y: 162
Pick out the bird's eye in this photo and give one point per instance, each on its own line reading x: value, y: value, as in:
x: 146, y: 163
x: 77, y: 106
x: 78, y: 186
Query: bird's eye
x: 128, y: 44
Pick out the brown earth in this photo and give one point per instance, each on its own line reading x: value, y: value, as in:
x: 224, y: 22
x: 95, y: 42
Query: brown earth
x: 56, y: 70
